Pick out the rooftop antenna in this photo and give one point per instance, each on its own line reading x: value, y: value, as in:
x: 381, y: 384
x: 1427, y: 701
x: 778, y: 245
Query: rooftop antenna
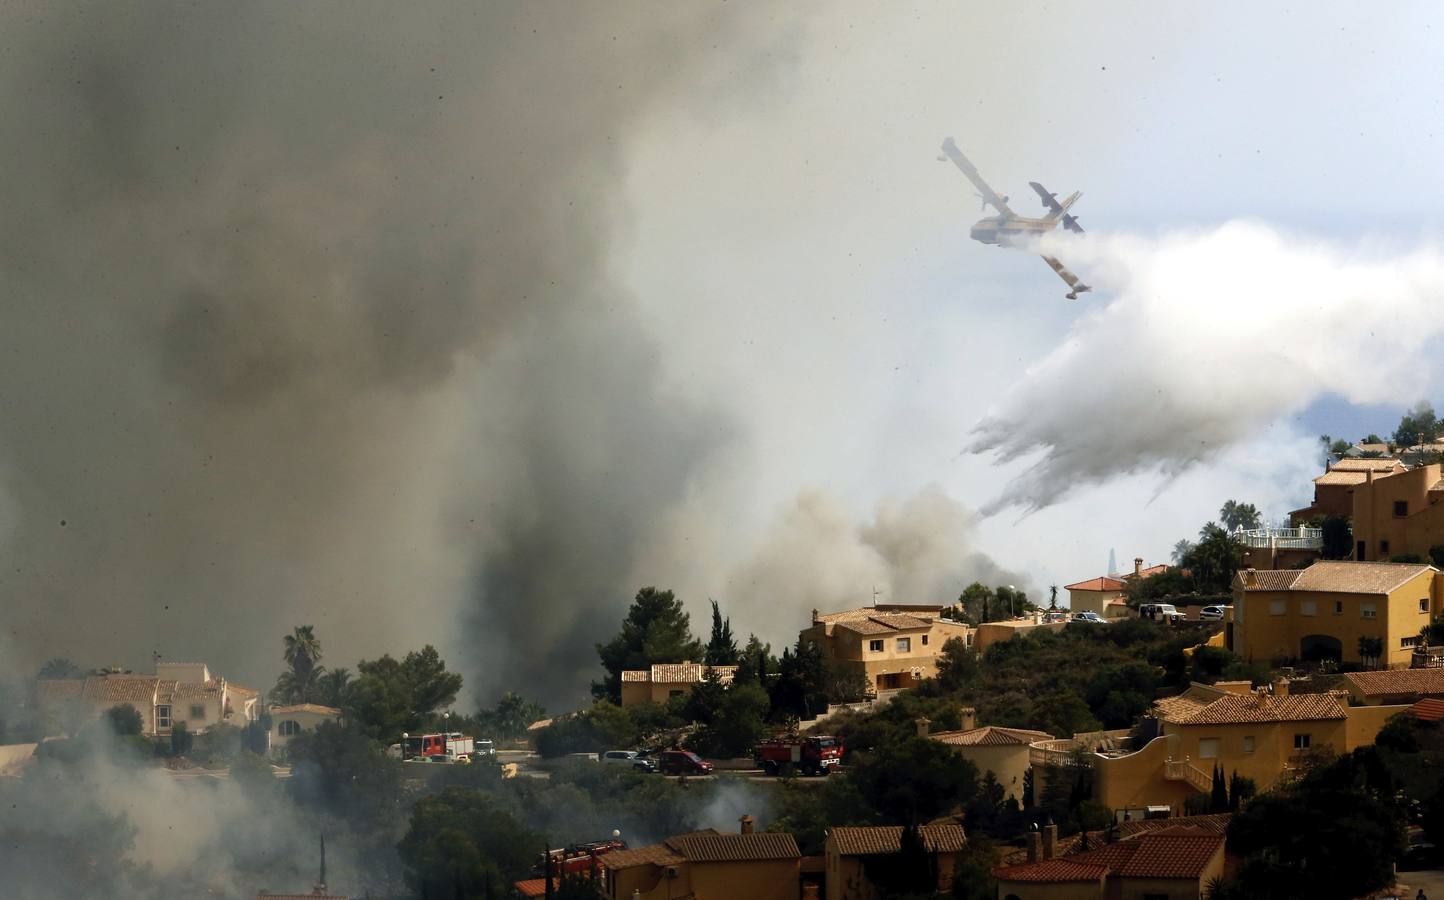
x: 875, y: 593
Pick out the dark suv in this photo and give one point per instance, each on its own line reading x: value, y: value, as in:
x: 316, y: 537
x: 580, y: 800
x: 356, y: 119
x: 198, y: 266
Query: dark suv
x: 682, y: 762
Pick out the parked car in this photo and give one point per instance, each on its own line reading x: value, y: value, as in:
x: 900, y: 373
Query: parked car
x: 1087, y: 616
x: 485, y: 748
x: 1055, y: 615
x: 1159, y: 612
x: 682, y: 762
x: 630, y: 758
x: 1211, y: 612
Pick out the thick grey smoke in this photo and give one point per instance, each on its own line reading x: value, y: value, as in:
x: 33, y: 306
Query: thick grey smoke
x: 818, y: 556
x: 308, y: 320
x: 1201, y: 339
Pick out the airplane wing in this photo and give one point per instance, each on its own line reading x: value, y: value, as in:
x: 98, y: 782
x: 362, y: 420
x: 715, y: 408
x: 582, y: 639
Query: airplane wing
x: 989, y: 196
x: 1056, y: 209
x: 1074, y: 283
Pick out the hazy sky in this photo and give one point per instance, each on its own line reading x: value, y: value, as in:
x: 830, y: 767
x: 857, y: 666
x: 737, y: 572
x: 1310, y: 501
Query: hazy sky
x: 826, y: 250
x: 460, y: 324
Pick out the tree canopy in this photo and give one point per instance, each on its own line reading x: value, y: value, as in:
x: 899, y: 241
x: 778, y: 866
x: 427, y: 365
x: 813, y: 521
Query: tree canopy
x: 392, y: 696
x: 656, y: 630
x: 1235, y: 515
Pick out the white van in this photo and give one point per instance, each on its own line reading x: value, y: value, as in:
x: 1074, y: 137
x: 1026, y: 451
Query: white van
x: 1159, y: 612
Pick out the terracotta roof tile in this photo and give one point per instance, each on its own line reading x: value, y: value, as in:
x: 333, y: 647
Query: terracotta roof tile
x: 866, y: 612
x: 241, y: 690
x: 1377, y: 464
x: 1058, y: 869
x: 991, y: 736
x: 1234, y: 709
x: 1336, y: 577
x: 1270, y: 579
x: 1214, y: 823
x: 1427, y: 710
x: 1181, y: 854
x: 650, y: 855
x: 121, y: 688
x: 734, y: 847
x: 1398, y: 681
x: 868, y: 840
x: 307, y: 707
x: 678, y: 673
x: 1341, y: 478
x: 1101, y: 583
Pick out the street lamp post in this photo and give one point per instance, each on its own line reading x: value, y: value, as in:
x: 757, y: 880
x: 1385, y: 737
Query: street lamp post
x: 1012, y: 592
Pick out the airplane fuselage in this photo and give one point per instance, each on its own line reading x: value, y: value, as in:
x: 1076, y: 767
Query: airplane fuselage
x: 1009, y: 230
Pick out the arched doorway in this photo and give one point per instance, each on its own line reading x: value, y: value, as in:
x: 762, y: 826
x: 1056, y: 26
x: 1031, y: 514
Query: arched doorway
x: 1319, y: 647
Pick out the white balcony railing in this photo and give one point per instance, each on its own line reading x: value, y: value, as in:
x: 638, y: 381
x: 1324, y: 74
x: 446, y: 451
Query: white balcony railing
x: 1302, y: 538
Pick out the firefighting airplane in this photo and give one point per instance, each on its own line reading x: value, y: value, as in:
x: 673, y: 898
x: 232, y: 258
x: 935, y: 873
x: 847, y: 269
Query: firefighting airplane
x: 1008, y: 227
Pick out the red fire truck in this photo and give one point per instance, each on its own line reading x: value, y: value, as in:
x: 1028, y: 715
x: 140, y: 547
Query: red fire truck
x: 579, y: 858
x: 451, y: 746
x: 816, y: 755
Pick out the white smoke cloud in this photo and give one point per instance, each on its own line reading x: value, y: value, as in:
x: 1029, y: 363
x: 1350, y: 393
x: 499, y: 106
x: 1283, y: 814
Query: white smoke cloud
x: 1209, y: 336
x: 819, y: 555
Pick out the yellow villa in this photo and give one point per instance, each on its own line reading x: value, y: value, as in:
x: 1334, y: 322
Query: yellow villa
x: 1323, y: 611
x: 848, y: 850
x: 708, y: 865
x: 664, y: 681
x: 892, y: 646
x: 1003, y: 751
x: 1261, y: 734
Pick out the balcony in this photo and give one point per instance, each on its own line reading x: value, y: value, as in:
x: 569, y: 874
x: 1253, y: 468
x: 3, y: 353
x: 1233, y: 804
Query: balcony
x: 1302, y: 538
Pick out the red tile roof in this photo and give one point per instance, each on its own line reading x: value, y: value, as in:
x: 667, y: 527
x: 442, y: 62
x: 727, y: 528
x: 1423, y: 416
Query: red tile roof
x: 1213, y: 823
x: 1427, y: 710
x: 1101, y: 583
x: 1055, y: 870
x: 1336, y: 577
x: 679, y: 673
x: 759, y: 845
x: 1236, y: 709
x: 1153, y: 855
x: 868, y: 840
x: 1397, y: 681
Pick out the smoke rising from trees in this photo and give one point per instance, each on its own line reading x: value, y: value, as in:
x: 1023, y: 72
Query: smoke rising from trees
x: 1206, y: 338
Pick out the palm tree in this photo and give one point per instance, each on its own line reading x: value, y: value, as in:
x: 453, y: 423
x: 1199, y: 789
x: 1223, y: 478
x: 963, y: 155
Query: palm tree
x: 57, y: 668
x: 1181, y: 550
x: 303, y: 656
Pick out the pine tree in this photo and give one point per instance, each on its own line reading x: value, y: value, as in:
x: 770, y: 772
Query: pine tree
x: 721, y: 647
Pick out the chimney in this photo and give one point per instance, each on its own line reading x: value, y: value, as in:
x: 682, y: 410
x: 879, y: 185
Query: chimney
x: 968, y: 718
x: 1281, y: 686
x: 1137, y: 567
x: 747, y: 823
x: 1250, y: 577
x: 1262, y: 696
x: 1050, y: 840
x: 815, y: 618
x: 923, y: 722
x: 1035, y: 845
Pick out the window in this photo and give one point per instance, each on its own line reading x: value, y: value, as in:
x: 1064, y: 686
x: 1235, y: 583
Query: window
x: 1248, y: 743
x: 1383, y: 548
x: 904, y: 645
x: 1338, y: 607
x: 1301, y: 742
x: 1409, y: 641
x: 1369, y: 610
x: 1401, y: 508
x: 1423, y: 604
x: 198, y: 711
x: 1276, y: 607
x: 1208, y: 748
x: 875, y: 646
x: 162, y: 717
x: 1308, y: 607
x: 288, y: 728
x: 925, y: 640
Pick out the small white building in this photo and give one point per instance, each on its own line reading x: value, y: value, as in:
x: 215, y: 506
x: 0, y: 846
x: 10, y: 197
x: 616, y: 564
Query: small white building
x: 289, y: 721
